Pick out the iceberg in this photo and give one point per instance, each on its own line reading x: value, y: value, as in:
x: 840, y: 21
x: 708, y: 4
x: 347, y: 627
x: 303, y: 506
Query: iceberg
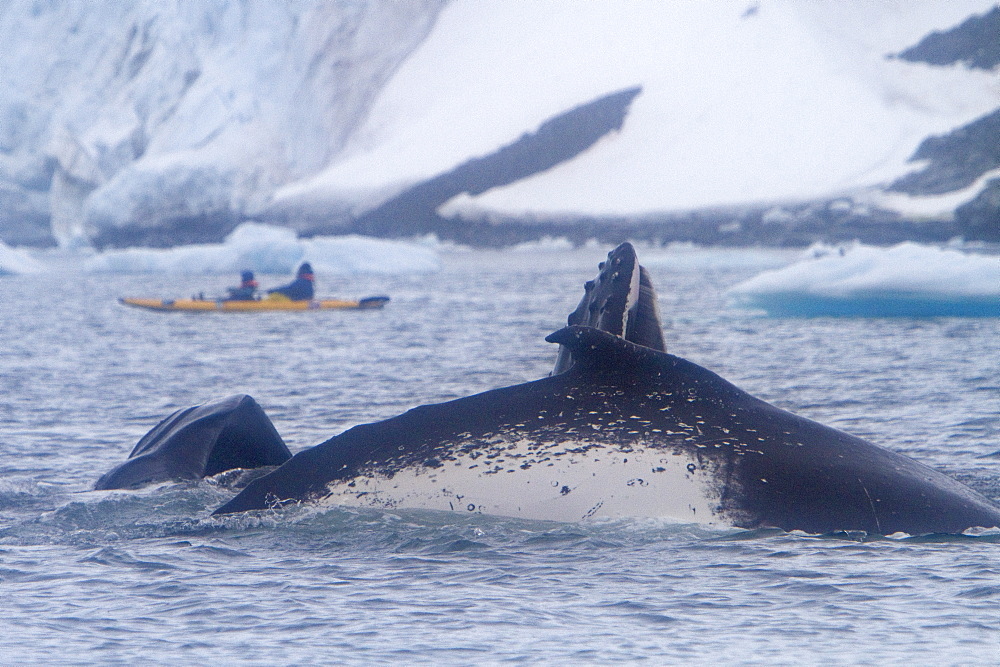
x: 906, y: 280
x: 270, y: 249
x: 352, y: 254
x: 134, y: 115
x: 14, y: 261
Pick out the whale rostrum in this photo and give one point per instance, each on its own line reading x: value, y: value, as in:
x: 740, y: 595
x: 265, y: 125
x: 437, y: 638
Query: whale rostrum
x: 621, y: 301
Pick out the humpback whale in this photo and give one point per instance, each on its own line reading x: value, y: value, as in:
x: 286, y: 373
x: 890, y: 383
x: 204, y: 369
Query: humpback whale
x: 624, y: 429
x: 201, y: 441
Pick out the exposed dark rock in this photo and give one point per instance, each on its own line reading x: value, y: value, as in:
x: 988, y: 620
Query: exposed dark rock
x: 957, y: 159
x: 793, y: 225
x: 558, y: 139
x: 979, y: 219
x: 796, y: 225
x: 975, y: 43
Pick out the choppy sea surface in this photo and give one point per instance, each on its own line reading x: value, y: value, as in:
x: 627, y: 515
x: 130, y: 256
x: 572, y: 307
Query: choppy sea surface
x: 123, y: 577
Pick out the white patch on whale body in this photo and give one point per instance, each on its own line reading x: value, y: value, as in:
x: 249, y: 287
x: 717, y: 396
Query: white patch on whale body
x: 581, y: 481
x: 632, y: 299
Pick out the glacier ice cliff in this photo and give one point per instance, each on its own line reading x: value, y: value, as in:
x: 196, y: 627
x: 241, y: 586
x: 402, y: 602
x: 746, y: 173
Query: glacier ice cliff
x: 166, y: 122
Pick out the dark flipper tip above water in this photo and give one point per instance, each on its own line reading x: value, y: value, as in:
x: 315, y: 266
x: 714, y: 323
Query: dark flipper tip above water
x: 201, y: 441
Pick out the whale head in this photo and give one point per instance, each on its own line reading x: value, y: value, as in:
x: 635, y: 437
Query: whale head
x: 621, y: 301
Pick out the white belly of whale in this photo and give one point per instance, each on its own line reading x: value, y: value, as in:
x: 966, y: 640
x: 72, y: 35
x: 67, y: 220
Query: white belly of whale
x: 568, y: 486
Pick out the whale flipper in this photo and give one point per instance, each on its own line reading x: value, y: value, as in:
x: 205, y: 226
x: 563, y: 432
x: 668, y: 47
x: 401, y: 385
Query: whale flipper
x: 201, y: 441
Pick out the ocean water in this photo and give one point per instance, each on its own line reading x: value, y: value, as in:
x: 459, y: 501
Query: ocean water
x: 123, y: 577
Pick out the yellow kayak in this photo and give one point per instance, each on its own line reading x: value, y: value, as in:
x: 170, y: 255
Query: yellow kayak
x: 263, y: 305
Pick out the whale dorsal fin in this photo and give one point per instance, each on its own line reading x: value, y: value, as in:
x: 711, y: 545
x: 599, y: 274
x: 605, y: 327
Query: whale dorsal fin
x: 621, y: 300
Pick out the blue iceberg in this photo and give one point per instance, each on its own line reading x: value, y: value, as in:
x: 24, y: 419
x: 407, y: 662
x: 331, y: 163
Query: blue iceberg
x: 906, y: 280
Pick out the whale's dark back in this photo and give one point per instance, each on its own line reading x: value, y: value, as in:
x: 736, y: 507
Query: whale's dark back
x: 766, y: 466
x: 614, y: 388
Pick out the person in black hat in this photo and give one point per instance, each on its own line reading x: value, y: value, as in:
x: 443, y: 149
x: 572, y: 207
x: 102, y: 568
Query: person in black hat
x: 247, y: 291
x: 300, y: 289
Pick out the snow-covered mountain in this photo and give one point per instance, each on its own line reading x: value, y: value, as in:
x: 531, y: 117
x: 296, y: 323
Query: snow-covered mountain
x: 170, y: 121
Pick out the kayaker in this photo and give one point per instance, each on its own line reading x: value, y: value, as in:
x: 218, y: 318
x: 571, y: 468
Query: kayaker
x: 300, y: 289
x: 247, y: 291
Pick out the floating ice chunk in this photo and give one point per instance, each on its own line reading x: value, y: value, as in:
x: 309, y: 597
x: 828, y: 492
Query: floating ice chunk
x: 270, y: 249
x: 265, y: 248
x: 15, y: 261
x: 544, y: 244
x: 361, y: 254
x: 906, y: 280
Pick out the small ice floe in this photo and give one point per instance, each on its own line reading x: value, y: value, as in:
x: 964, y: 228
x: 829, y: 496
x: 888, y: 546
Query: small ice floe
x: 270, y: 249
x: 906, y: 280
x: 15, y: 261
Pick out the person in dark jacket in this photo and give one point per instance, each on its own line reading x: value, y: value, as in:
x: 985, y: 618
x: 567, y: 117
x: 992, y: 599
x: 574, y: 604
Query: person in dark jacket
x: 247, y: 291
x: 300, y: 289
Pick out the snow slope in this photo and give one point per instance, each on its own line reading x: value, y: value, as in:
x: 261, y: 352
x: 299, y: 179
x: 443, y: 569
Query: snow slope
x: 795, y: 100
